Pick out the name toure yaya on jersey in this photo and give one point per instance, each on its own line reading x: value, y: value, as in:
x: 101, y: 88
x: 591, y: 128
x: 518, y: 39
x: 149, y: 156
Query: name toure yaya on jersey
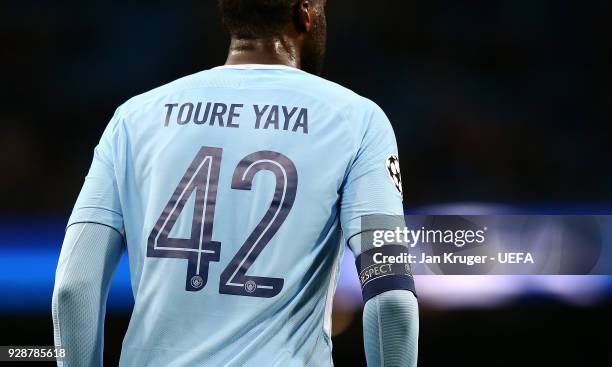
x: 267, y: 117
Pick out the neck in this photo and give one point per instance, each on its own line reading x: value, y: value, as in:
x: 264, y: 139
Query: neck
x: 273, y: 51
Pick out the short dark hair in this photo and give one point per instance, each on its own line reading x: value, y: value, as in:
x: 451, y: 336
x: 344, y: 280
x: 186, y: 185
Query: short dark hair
x: 256, y: 18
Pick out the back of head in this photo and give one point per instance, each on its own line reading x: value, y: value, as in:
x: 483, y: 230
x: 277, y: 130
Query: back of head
x: 250, y: 19
x: 297, y: 28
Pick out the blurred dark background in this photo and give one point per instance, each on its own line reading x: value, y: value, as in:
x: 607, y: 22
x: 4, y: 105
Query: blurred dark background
x: 491, y: 101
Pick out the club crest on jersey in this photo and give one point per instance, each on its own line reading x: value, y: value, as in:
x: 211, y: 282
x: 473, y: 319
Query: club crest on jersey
x: 250, y: 286
x: 393, y: 168
x: 197, y: 281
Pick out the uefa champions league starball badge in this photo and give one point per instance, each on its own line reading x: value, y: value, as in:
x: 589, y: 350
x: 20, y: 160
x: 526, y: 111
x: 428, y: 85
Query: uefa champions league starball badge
x: 393, y: 168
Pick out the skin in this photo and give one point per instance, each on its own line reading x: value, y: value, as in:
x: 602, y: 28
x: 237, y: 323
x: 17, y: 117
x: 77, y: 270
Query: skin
x: 301, y: 44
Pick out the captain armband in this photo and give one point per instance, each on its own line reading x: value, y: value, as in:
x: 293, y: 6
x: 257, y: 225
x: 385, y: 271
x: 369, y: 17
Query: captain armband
x: 383, y: 269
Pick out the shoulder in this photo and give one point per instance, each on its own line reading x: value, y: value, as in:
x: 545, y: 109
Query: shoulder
x: 357, y: 109
x: 143, y: 100
x: 331, y: 92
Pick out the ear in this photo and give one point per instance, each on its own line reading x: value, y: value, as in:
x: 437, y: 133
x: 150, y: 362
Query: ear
x: 303, y: 15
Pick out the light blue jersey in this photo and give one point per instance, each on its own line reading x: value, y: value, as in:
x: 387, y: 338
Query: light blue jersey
x: 231, y: 187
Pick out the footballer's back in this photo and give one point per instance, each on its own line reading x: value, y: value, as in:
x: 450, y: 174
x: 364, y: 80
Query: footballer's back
x: 232, y: 185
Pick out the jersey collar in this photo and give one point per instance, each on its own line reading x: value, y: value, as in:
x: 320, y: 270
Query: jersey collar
x: 257, y: 67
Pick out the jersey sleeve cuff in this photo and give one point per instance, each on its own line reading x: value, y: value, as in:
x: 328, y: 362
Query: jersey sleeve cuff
x: 102, y: 216
x: 372, y: 222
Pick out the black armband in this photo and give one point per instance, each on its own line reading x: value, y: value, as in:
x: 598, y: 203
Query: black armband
x: 383, y: 269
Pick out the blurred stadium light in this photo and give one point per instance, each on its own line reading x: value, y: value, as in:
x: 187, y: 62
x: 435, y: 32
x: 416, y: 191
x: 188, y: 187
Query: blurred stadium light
x: 30, y: 253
